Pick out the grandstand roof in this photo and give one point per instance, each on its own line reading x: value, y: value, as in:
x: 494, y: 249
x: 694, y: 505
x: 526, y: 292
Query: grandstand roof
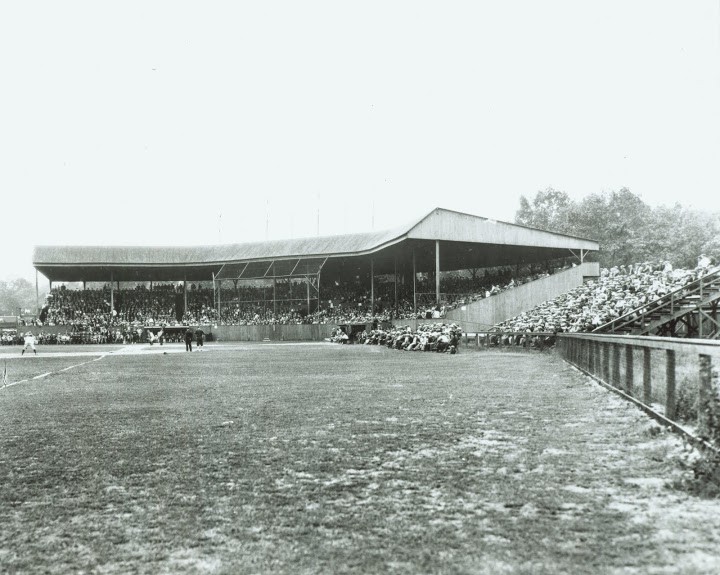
x: 196, y: 263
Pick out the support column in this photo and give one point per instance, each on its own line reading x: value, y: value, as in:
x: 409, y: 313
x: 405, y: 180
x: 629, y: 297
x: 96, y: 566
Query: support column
x: 437, y: 271
x: 372, y: 286
x: 112, y: 294
x: 274, y: 290
x: 184, y: 296
x: 396, y: 298
x: 216, y: 297
x: 414, y: 279
x: 37, y: 294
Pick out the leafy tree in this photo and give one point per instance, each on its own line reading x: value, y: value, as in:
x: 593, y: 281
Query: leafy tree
x: 16, y: 294
x: 627, y: 229
x: 549, y: 210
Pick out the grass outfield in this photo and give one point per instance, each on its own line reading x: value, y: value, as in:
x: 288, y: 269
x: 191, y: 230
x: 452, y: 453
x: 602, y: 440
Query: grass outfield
x: 321, y: 458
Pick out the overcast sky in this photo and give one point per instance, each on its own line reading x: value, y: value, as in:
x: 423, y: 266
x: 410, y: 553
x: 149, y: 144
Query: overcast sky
x: 167, y: 123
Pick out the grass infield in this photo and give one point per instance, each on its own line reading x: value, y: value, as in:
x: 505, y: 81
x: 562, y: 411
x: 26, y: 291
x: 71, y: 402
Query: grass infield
x: 321, y: 458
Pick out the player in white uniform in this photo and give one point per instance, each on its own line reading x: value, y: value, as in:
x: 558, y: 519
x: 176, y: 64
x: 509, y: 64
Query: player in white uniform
x: 29, y: 342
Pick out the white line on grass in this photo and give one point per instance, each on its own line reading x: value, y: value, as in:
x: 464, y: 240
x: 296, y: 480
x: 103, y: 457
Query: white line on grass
x: 51, y: 372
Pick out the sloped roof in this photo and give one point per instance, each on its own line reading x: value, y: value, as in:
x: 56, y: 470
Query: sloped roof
x: 73, y: 263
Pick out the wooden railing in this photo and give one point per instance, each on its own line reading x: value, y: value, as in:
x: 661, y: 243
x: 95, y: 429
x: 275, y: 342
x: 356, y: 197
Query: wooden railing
x: 671, y: 300
x: 612, y: 360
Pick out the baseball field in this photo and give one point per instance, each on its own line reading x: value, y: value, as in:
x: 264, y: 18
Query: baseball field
x: 326, y: 458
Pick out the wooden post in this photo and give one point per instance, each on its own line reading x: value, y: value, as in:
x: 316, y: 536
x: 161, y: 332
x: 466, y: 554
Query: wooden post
x: 704, y: 392
x: 372, y: 287
x: 670, y: 384
x: 219, y: 298
x: 216, y: 297
x: 274, y: 290
x: 37, y: 294
x: 647, y: 374
x: 396, y: 295
x: 437, y: 272
x: 606, y: 363
x: 616, y: 365
x: 112, y: 294
x: 414, y: 279
x: 629, y: 369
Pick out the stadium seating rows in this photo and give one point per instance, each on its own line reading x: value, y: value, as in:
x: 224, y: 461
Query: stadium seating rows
x: 89, y: 316
x: 618, y: 290
x: 91, y: 310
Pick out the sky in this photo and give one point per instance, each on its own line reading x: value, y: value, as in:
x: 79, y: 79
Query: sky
x: 178, y: 123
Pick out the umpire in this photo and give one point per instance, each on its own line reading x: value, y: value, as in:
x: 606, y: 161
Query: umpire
x: 188, y: 339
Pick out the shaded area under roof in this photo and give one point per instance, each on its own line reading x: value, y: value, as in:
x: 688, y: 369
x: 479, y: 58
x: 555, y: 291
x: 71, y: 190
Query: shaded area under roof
x: 466, y: 241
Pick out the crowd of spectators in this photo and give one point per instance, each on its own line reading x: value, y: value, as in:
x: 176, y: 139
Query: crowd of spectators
x: 438, y: 337
x: 619, y: 291
x: 96, y: 315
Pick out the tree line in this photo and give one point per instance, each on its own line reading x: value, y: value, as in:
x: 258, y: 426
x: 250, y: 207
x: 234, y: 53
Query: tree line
x: 627, y: 229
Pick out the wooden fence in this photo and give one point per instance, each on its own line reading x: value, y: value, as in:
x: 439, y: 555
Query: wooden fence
x: 669, y: 378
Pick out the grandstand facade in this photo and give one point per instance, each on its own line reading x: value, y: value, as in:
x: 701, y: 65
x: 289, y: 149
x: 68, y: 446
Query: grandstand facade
x: 441, y: 241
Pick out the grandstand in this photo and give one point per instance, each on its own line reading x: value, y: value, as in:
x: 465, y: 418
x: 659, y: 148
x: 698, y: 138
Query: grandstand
x: 391, y: 274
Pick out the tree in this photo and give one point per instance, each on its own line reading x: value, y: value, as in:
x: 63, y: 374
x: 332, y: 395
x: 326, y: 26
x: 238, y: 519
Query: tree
x: 627, y: 229
x: 17, y: 294
x: 549, y: 210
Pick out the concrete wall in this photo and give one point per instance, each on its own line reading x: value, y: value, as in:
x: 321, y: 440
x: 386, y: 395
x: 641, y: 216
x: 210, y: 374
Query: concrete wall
x: 493, y: 310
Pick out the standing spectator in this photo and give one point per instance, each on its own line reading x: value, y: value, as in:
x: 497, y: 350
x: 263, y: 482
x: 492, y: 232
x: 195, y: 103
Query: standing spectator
x: 188, y: 339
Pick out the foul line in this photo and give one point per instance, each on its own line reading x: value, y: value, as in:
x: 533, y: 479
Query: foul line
x: 51, y: 372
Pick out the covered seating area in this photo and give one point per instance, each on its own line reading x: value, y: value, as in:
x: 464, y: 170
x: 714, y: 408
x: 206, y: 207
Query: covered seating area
x: 443, y: 240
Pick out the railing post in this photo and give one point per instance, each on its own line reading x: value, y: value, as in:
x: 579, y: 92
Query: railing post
x: 647, y: 373
x: 606, y: 362
x: 704, y: 392
x: 598, y: 359
x: 670, y: 384
x: 616, y: 366
x: 629, y: 369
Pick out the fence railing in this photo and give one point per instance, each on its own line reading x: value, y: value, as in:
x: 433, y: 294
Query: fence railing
x: 667, y: 302
x: 670, y: 378
x: 523, y: 339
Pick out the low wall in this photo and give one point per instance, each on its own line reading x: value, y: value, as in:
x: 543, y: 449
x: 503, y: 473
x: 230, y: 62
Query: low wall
x: 272, y: 332
x: 508, y: 304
